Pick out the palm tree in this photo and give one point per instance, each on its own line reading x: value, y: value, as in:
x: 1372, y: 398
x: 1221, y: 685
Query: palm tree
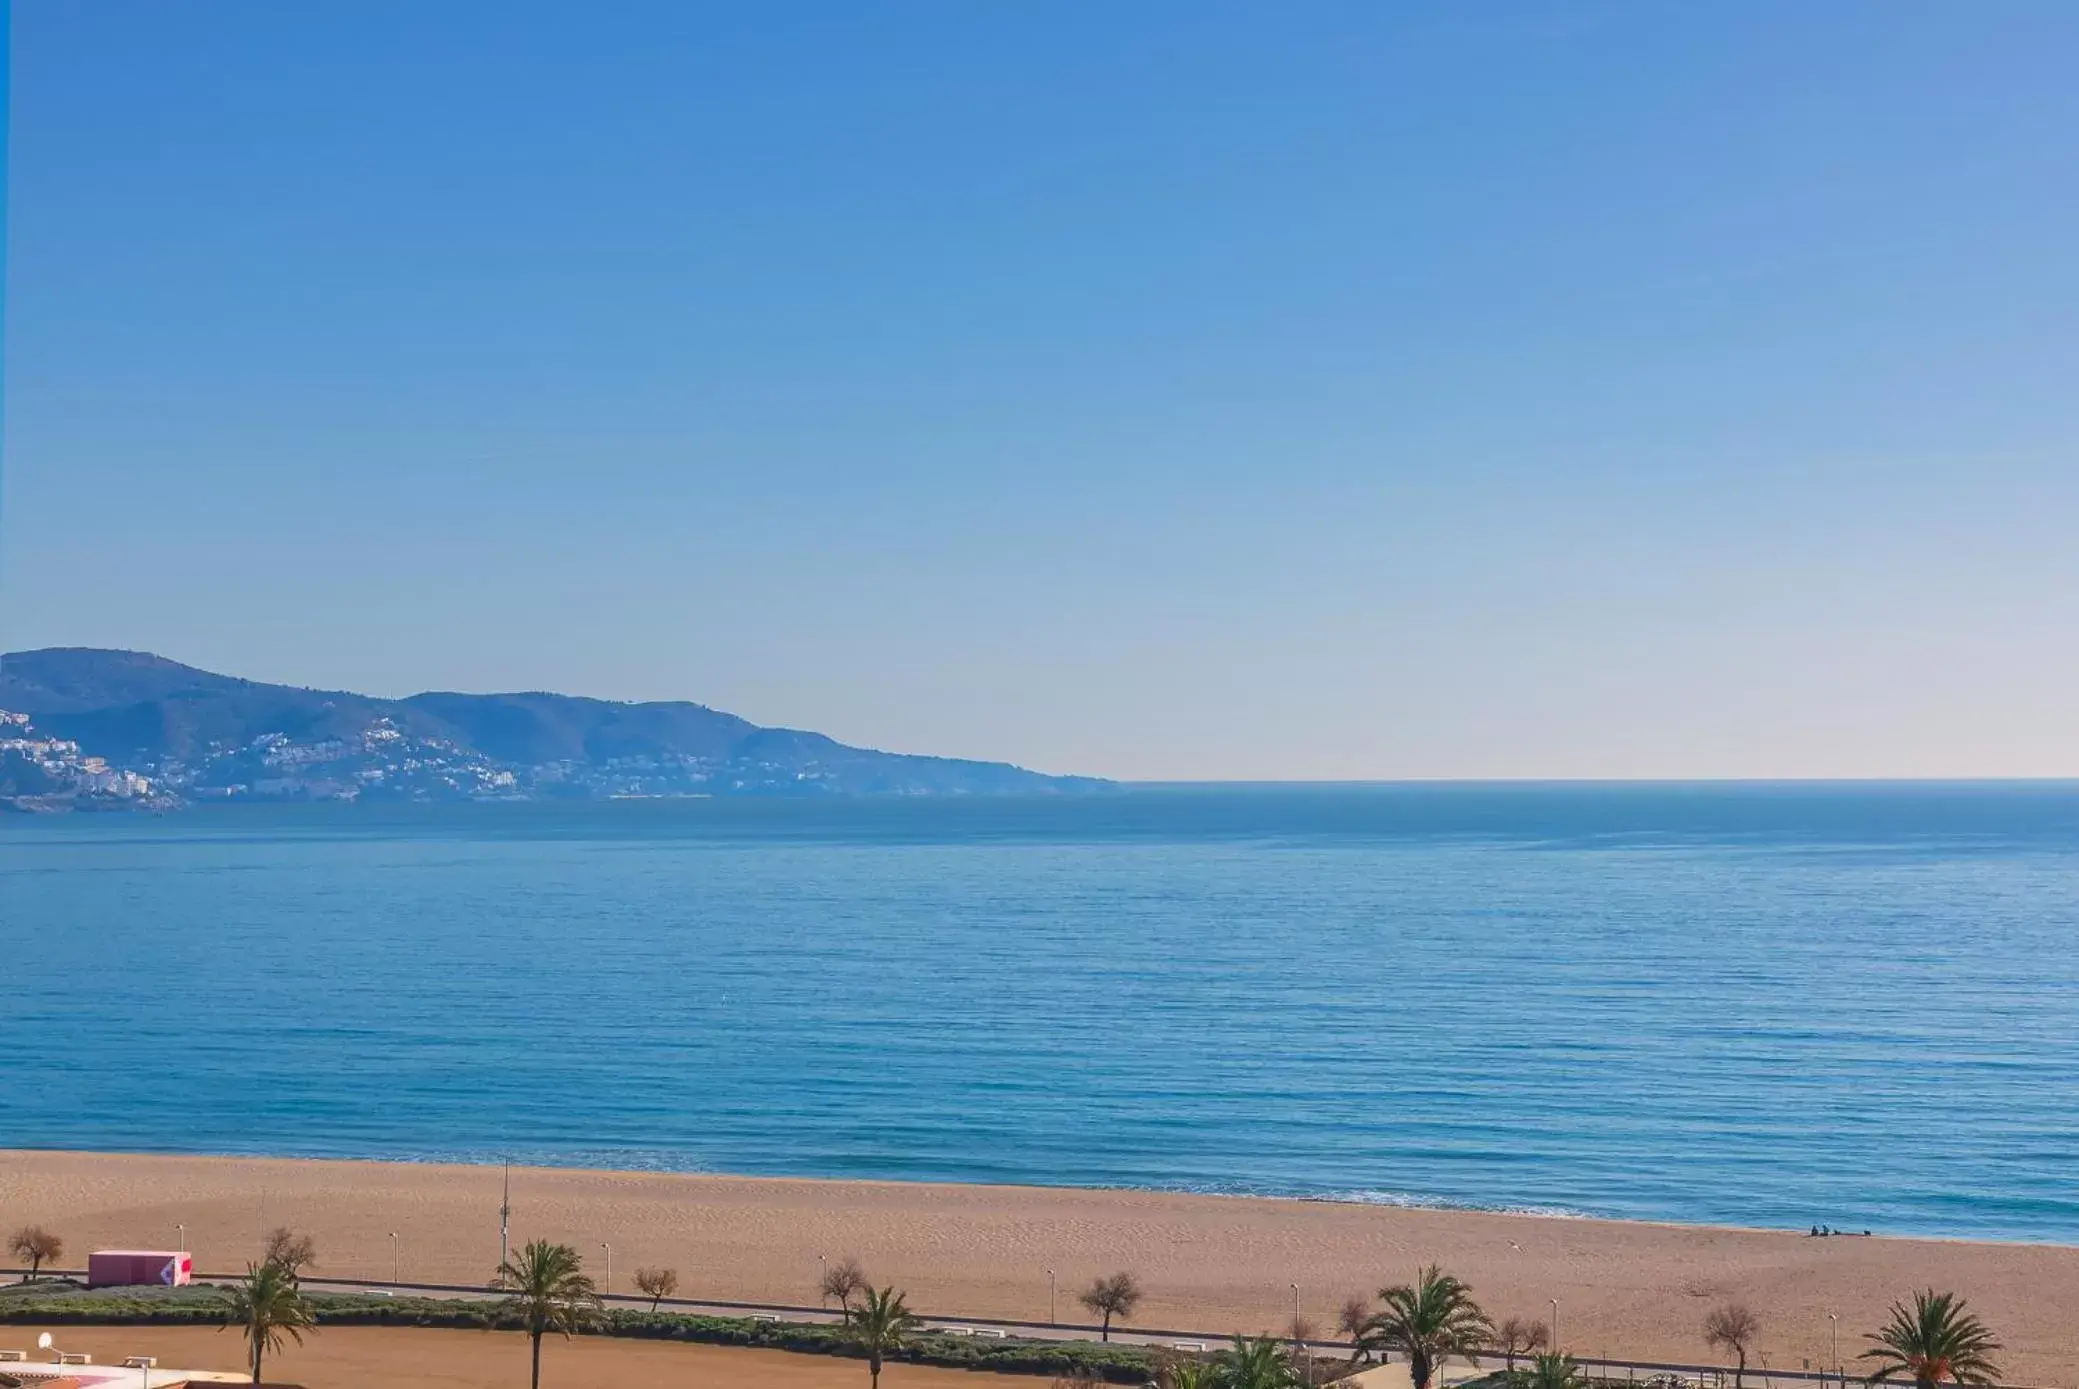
x: 269, y: 1305
x: 1554, y: 1371
x: 1260, y: 1363
x: 1935, y: 1340
x: 548, y: 1290
x: 1733, y: 1327
x: 1190, y: 1374
x: 1430, y: 1320
x: 879, y: 1324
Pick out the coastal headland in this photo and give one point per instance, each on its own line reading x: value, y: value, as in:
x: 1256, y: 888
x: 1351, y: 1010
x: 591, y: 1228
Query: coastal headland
x: 1216, y: 1264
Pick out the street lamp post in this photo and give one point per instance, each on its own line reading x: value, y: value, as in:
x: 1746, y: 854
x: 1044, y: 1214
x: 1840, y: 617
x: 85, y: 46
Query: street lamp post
x: 1299, y: 1333
x: 393, y: 1256
x: 1834, y: 1323
x: 822, y: 1285
x: 609, y: 1268
x: 1053, y: 1319
x: 1555, y: 1326
x: 182, y: 1231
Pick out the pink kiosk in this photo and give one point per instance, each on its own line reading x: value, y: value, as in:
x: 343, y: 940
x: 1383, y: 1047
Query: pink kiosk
x: 112, y: 1268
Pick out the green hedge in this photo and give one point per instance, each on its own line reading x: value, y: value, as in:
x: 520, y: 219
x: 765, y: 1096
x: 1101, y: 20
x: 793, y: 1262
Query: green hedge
x: 62, y: 1303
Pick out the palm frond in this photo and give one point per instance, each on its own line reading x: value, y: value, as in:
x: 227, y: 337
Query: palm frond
x: 882, y: 1321
x: 1555, y: 1371
x: 1255, y: 1363
x: 271, y: 1310
x: 1936, y: 1340
x: 547, y: 1287
x: 1429, y: 1321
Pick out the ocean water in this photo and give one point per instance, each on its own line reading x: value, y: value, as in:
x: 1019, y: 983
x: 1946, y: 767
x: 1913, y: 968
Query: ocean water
x: 1856, y: 1005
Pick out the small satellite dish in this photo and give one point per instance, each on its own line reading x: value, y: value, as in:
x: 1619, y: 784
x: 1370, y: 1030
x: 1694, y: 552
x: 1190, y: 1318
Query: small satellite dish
x: 43, y: 1342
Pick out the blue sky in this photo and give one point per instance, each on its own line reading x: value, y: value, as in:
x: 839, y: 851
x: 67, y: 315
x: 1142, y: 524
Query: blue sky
x: 1160, y: 390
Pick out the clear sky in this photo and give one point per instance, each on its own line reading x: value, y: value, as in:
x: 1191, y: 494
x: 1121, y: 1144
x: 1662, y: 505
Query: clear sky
x: 1166, y: 390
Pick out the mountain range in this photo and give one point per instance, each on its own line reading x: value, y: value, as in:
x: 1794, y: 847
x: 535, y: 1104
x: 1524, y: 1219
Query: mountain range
x: 195, y: 735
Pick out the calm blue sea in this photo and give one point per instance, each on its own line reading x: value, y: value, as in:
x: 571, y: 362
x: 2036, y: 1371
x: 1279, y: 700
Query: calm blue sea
x: 1856, y: 1005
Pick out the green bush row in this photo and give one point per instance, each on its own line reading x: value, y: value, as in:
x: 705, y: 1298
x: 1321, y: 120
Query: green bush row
x: 66, y: 1304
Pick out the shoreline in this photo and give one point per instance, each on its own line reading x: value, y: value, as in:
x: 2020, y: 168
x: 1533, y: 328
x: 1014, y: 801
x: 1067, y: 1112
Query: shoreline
x: 1636, y: 1290
x: 1438, y: 1206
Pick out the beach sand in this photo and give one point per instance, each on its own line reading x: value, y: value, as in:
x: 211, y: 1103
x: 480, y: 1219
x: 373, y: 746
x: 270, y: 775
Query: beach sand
x: 354, y: 1357
x: 1209, y: 1263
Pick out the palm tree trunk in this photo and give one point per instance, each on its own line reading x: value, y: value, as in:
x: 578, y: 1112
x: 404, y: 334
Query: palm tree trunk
x: 873, y: 1368
x: 537, y: 1360
x: 259, y: 1349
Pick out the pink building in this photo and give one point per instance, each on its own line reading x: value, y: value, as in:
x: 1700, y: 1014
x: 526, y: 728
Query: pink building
x: 109, y: 1268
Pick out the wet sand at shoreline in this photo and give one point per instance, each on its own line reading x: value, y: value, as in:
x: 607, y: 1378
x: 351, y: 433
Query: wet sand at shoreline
x: 1215, y: 1264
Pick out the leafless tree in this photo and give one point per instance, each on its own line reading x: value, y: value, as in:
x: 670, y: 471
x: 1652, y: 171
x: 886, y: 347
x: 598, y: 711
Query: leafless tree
x: 1518, y: 1336
x: 843, y: 1281
x: 1734, y: 1328
x: 659, y: 1283
x: 36, y: 1246
x: 288, y: 1251
x: 1115, y: 1296
x: 1352, y: 1320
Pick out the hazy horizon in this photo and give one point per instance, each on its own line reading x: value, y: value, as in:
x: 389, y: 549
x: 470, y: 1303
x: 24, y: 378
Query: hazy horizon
x: 1192, y: 394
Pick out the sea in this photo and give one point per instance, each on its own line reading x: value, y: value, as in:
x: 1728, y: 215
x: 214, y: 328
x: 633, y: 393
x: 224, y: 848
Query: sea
x: 1766, y: 1005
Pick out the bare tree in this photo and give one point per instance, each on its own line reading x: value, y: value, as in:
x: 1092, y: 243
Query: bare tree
x: 659, y: 1283
x: 1115, y: 1296
x: 36, y: 1246
x: 1351, y: 1320
x: 1518, y: 1336
x: 288, y: 1251
x: 1733, y: 1327
x: 843, y: 1281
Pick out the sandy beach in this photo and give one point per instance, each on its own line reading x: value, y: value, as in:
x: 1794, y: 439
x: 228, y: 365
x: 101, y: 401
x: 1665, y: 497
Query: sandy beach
x: 1216, y: 1264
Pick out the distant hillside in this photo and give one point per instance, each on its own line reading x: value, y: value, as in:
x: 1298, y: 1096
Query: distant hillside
x: 207, y: 736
